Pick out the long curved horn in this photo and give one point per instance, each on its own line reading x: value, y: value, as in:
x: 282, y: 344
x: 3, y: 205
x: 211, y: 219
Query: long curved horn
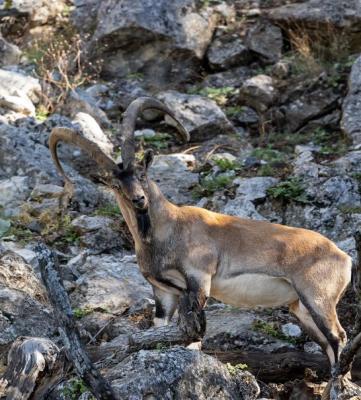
x: 135, y: 108
x: 71, y: 137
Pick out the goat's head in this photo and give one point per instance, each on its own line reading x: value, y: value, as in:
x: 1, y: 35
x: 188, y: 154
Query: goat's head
x: 128, y: 176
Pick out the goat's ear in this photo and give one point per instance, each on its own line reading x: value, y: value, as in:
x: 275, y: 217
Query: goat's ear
x: 148, y: 159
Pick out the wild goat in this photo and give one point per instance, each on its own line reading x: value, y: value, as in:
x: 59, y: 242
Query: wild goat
x: 189, y: 253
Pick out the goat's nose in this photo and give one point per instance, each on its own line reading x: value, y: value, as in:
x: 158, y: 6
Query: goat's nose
x: 139, y: 201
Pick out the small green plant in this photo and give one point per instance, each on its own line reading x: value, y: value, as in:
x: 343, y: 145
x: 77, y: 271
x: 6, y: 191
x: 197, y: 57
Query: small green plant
x: 41, y: 113
x: 233, y: 369
x: 20, y: 232
x: 219, y: 95
x: 234, y: 111
x: 225, y: 164
x: 209, y: 185
x: 272, y: 330
x: 108, y: 210
x: 75, y: 388
x: 268, y: 154
x: 81, y: 312
x: 138, y: 76
x: 159, y: 140
x: 8, y: 4
x: 290, y: 189
x: 348, y: 209
x: 329, y: 142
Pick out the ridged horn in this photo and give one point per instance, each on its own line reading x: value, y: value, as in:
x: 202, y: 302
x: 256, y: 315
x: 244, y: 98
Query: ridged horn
x: 131, y: 114
x: 72, y: 137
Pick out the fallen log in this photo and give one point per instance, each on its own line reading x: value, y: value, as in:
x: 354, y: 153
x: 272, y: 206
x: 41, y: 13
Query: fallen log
x: 74, y: 349
x: 34, y: 365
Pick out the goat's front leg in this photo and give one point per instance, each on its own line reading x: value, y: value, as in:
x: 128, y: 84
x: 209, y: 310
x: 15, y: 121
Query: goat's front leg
x: 192, y: 318
x: 165, y: 305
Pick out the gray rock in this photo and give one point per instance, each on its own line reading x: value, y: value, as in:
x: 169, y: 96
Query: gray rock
x: 291, y: 330
x: 164, y: 41
x: 13, y: 192
x: 232, y: 78
x: 254, y: 188
x: 312, y: 347
x: 110, y: 283
x: 258, y: 92
x: 80, y: 101
x: 23, y: 152
x: 97, y: 234
x: 343, y: 14
x: 249, y: 190
x: 9, y: 53
x: 171, y: 168
x: 92, y: 131
x: 85, y: 223
x: 179, y: 373
x: 40, y: 11
x: 46, y: 190
x: 307, y: 106
x: 18, y: 84
x: 351, y: 109
x: 266, y: 40
x: 200, y: 115
x: 21, y: 105
x: 227, y: 51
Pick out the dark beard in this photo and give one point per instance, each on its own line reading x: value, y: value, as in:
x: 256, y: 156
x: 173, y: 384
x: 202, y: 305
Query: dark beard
x: 143, y: 222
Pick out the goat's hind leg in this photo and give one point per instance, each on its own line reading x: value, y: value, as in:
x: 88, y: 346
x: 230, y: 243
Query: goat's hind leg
x: 323, y: 326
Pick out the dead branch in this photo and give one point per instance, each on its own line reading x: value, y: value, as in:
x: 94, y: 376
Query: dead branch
x: 32, y: 363
x: 67, y: 326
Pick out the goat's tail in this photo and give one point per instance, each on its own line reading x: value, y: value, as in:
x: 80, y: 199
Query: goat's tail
x: 356, y: 267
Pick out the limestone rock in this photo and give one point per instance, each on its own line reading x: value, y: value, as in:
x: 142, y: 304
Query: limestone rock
x: 171, y: 168
x: 351, y: 118
x: 258, y: 92
x: 200, y: 115
x: 179, y: 373
x: 9, y: 53
x: 227, y: 51
x: 266, y: 40
x: 109, y: 283
x: 163, y: 41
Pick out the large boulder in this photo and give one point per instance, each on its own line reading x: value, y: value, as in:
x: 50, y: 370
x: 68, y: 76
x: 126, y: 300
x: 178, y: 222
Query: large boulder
x: 201, y: 116
x: 23, y: 153
x: 161, y: 40
x: 109, y: 283
x: 344, y: 16
x: 351, y: 118
x: 179, y: 373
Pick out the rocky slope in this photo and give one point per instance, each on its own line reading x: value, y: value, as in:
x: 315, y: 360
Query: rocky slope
x: 270, y: 93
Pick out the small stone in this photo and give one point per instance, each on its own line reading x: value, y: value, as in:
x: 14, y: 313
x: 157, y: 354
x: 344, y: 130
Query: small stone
x: 146, y: 133
x: 291, y: 330
x: 312, y: 347
x: 259, y: 92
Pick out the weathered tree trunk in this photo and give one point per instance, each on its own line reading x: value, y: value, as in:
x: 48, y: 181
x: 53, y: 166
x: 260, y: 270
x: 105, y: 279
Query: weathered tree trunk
x: 75, y: 352
x: 32, y: 364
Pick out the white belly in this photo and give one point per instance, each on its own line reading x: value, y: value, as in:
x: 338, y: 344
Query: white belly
x: 253, y: 290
